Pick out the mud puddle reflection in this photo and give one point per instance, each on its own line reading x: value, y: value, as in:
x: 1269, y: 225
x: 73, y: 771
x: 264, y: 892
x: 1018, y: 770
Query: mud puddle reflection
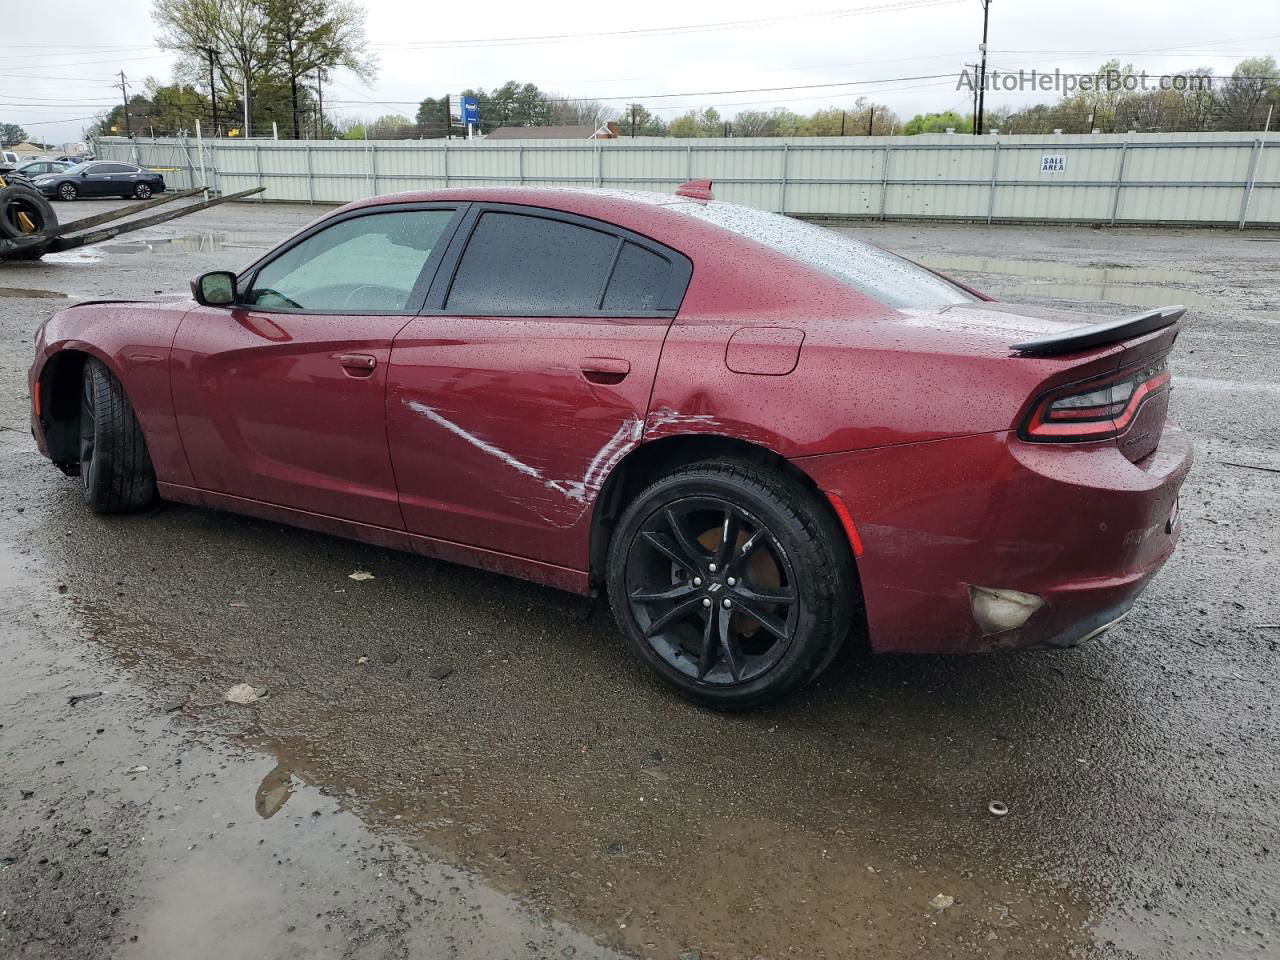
x: 125, y: 831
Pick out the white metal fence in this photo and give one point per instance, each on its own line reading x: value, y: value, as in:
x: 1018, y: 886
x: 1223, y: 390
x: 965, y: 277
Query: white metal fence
x: 1206, y: 178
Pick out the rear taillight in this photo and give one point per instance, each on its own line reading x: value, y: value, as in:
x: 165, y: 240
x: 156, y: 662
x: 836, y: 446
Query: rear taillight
x: 1095, y: 409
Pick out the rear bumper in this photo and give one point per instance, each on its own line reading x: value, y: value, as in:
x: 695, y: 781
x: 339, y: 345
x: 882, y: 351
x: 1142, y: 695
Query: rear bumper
x: 1077, y: 527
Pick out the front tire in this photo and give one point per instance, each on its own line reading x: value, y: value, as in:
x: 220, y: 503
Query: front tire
x: 116, y: 475
x: 732, y: 582
x: 142, y: 191
x: 67, y: 191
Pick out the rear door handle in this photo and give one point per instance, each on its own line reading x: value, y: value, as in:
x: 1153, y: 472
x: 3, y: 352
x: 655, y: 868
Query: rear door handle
x: 606, y: 370
x: 358, y: 364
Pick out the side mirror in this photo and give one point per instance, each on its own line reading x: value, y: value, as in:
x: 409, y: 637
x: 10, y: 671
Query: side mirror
x: 214, y: 289
x: 84, y: 173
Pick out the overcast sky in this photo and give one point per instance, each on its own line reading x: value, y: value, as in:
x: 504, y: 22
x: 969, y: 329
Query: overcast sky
x: 56, y: 62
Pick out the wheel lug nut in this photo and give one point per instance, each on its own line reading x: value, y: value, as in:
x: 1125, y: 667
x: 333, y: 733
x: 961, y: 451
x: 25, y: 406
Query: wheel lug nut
x: 711, y: 567
x: 731, y: 581
x: 697, y: 581
x: 726, y: 603
x: 706, y: 601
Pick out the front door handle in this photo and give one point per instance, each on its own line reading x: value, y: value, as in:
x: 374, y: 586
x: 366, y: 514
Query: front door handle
x: 358, y: 364
x: 606, y: 370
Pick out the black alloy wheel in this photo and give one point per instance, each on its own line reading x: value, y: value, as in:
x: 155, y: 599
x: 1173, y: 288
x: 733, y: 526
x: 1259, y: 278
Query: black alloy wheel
x: 733, y: 582
x: 712, y: 590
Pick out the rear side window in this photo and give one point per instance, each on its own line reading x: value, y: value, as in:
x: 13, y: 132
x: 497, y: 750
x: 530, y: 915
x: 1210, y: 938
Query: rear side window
x: 638, y: 281
x: 113, y: 168
x: 526, y: 264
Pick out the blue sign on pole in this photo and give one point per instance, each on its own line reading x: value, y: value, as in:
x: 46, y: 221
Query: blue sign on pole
x: 470, y: 110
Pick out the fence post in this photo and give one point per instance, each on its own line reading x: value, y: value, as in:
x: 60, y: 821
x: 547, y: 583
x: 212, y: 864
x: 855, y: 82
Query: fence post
x: 884, y: 180
x: 446, y: 162
x: 786, y: 163
x: 520, y: 163
x: 373, y: 168
x: 991, y: 195
x: 688, y: 162
x: 599, y: 166
x: 257, y: 162
x: 311, y: 180
x: 204, y: 177
x: 1115, y: 196
x: 1254, y: 157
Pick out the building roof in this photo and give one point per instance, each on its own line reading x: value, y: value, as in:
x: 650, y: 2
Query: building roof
x: 568, y: 132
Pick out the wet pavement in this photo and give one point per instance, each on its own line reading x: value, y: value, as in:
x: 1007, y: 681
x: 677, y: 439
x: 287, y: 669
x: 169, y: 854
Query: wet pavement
x: 449, y: 763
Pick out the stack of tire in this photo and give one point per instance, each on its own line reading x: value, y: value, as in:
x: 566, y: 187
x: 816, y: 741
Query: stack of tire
x: 25, y: 215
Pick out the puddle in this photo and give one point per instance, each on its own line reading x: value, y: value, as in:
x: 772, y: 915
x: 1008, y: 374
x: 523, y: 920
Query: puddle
x: 25, y: 293
x: 79, y: 255
x: 1107, y: 274
x: 135, y: 836
x: 189, y: 243
x: 1131, y: 296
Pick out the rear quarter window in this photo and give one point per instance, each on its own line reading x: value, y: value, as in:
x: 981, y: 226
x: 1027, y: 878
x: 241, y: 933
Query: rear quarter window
x: 877, y: 273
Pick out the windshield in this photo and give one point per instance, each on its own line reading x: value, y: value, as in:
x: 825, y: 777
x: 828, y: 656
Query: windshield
x: 877, y: 273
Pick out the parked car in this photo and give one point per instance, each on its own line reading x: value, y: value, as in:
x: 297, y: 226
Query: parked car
x: 8, y: 160
x: 39, y: 168
x: 757, y: 435
x: 105, y: 178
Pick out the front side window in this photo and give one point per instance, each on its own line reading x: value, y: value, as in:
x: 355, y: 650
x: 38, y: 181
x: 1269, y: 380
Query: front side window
x: 520, y: 264
x: 364, y: 264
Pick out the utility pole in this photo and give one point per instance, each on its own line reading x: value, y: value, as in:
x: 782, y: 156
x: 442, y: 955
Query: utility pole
x: 982, y: 88
x: 974, y: 126
x: 844, y: 115
x: 871, y: 119
x: 124, y: 100
x: 244, y: 62
x: 213, y: 90
x: 320, y: 101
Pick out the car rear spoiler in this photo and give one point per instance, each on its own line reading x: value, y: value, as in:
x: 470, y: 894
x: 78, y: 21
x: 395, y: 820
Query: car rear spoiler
x: 1100, y: 334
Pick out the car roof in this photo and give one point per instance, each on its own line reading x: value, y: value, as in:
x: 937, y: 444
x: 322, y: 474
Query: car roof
x: 652, y: 214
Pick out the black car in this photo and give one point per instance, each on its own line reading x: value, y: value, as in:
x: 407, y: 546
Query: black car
x: 100, y: 178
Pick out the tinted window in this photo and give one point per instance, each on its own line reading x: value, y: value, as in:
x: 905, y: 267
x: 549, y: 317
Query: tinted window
x: 364, y: 263
x: 877, y: 273
x: 522, y: 264
x: 639, y: 280
x: 98, y: 168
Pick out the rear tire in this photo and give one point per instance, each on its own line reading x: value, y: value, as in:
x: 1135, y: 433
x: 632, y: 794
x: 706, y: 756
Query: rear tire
x: 737, y: 627
x: 116, y: 475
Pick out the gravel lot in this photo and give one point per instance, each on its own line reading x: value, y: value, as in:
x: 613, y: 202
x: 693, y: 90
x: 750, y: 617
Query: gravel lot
x: 547, y: 798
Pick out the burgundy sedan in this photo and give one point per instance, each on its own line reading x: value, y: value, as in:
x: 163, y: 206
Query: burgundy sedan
x: 758, y: 436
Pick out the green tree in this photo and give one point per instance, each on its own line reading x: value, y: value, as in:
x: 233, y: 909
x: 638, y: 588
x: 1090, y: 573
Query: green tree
x: 11, y: 133
x: 309, y: 35
x: 936, y: 123
x: 1243, y: 99
x: 638, y: 120
x: 391, y: 126
x: 687, y: 125
x: 261, y: 49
